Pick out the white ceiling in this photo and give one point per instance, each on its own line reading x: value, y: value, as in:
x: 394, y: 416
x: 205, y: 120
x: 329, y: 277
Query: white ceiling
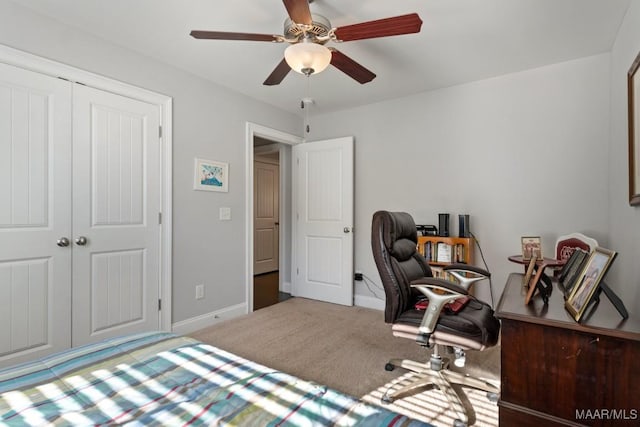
x: 460, y: 41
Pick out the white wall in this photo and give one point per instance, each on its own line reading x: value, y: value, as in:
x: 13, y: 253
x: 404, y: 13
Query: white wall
x: 523, y: 154
x: 209, y: 121
x: 624, y: 221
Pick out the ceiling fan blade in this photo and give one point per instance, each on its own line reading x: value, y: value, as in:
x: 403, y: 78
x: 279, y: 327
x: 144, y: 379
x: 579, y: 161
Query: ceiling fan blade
x: 222, y: 35
x: 278, y: 74
x: 404, y: 24
x: 350, y: 67
x: 298, y: 11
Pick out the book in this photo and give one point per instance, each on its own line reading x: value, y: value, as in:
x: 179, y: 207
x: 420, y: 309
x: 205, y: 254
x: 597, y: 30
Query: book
x: 444, y: 252
x: 438, y: 272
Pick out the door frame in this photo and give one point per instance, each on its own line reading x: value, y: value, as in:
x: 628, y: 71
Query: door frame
x: 253, y: 130
x: 164, y: 104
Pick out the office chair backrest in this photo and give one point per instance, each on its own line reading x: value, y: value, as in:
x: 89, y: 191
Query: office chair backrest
x: 394, y: 240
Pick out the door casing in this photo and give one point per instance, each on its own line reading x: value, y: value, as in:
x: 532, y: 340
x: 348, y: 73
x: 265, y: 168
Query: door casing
x: 255, y: 130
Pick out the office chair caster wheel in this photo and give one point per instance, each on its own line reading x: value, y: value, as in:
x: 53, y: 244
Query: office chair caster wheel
x: 389, y: 367
x: 459, y: 423
x: 493, y: 397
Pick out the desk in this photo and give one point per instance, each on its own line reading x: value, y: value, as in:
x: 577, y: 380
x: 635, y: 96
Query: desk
x: 554, y: 370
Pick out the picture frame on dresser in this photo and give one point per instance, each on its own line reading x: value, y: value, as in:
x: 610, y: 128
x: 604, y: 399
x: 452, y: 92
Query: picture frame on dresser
x: 572, y: 268
x: 633, y: 96
x: 531, y: 245
x: 588, y: 280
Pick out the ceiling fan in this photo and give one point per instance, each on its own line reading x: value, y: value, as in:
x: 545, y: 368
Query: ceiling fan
x: 307, y: 34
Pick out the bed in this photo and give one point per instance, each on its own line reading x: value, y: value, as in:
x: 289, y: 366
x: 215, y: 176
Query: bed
x: 165, y: 379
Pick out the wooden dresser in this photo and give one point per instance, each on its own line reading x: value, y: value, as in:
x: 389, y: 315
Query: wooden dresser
x: 556, y: 372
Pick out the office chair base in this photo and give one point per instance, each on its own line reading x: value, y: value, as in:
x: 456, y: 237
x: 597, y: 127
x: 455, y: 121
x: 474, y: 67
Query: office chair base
x: 442, y: 379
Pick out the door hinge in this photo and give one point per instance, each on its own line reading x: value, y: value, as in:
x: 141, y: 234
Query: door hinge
x: 159, y: 305
x: 159, y: 131
x: 159, y: 217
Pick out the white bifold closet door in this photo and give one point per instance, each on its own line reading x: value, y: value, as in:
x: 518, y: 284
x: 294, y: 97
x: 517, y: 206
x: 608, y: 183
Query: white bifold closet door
x: 79, y: 224
x: 116, y: 194
x: 35, y: 201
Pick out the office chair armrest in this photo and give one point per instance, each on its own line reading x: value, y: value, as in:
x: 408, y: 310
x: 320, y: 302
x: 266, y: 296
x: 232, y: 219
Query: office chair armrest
x: 442, y: 283
x: 467, y: 268
x: 439, y: 292
x: 466, y: 275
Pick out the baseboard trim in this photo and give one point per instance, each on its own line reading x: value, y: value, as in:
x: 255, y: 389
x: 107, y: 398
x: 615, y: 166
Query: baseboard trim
x: 199, y: 322
x: 286, y: 287
x: 368, y: 302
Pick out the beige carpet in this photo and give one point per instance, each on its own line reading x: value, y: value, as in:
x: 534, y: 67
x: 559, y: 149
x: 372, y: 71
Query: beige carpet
x: 345, y: 348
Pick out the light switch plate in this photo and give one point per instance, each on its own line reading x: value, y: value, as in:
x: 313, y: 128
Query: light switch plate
x: 225, y: 214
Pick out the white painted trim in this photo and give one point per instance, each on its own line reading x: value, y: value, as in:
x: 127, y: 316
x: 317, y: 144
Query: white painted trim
x: 368, y: 302
x: 285, y: 287
x: 166, y: 273
x: 254, y: 130
x: 209, y: 319
x: 18, y: 58
x: 26, y: 60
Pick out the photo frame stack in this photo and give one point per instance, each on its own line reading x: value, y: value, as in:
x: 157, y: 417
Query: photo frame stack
x: 570, y: 270
x: 583, y: 287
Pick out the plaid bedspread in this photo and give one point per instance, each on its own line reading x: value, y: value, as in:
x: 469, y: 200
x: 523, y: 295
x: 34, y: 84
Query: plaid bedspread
x: 163, y: 379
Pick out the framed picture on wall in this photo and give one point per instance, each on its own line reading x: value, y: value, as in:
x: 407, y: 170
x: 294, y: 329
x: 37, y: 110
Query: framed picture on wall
x: 587, y: 282
x: 210, y: 175
x: 633, y: 87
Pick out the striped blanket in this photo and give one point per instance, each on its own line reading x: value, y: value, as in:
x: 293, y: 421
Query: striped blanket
x: 164, y: 379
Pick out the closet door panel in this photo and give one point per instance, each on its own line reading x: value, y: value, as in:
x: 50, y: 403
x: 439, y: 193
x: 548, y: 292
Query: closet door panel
x: 35, y: 195
x: 116, y: 171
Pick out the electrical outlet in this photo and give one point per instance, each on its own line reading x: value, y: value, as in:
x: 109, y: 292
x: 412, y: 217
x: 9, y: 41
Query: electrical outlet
x: 199, y: 291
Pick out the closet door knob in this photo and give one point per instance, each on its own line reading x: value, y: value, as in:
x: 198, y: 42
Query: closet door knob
x: 81, y: 241
x: 62, y: 242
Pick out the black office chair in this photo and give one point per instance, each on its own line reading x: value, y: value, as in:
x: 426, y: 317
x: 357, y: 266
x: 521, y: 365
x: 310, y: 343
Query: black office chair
x: 446, y: 323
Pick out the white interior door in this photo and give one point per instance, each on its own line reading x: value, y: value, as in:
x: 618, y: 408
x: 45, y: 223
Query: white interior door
x: 116, y: 231
x: 266, y: 202
x: 35, y: 198
x: 323, y: 220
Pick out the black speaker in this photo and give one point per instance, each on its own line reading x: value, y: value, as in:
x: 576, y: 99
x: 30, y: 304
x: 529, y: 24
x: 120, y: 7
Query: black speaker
x: 463, y: 226
x: 443, y: 224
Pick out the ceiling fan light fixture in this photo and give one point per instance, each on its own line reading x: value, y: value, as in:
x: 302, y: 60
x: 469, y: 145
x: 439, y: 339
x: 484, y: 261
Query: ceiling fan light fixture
x: 307, y: 57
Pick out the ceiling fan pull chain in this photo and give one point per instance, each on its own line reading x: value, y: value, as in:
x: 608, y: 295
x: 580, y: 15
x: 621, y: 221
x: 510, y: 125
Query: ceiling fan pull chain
x: 308, y: 100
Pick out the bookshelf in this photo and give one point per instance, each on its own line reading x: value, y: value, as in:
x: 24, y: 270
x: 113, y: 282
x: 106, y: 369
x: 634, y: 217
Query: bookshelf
x: 442, y: 251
